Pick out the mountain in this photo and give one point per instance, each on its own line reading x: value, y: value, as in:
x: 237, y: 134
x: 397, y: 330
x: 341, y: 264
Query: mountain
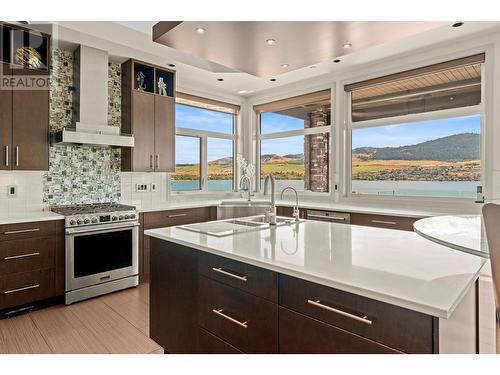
x: 464, y: 146
x: 222, y: 161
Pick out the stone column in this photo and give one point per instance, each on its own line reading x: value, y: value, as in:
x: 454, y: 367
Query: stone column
x: 316, y: 153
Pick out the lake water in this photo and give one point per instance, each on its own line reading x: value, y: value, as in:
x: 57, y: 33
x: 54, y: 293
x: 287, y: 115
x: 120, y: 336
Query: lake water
x: 457, y: 189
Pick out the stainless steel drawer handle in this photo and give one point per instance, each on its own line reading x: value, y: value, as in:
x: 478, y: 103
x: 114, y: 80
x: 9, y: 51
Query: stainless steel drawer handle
x: 225, y: 316
x: 17, y: 156
x: 21, y: 289
x: 338, y: 218
x: 22, y: 256
x: 157, y: 156
x: 6, y: 156
x: 238, y: 277
x: 384, y: 222
x: 176, y: 215
x: 151, y: 161
x: 362, y: 319
x: 22, y: 231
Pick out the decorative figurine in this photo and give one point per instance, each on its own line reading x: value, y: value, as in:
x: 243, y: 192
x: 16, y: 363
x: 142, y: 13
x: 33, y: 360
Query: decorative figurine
x: 141, y: 86
x: 29, y: 57
x: 162, y: 87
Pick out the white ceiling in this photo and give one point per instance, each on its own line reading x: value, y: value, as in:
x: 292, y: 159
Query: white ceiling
x: 127, y: 39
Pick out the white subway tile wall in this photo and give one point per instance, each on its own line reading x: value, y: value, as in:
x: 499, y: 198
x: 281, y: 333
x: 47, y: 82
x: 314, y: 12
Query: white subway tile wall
x: 29, y: 195
x: 129, y: 195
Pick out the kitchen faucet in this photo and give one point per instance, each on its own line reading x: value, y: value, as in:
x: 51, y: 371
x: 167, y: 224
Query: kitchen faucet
x: 296, y: 213
x: 271, y: 214
x: 249, y: 185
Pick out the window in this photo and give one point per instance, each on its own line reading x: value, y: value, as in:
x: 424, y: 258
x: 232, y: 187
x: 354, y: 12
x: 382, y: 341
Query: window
x: 295, y: 141
x: 204, y: 145
x: 187, y: 174
x: 418, y: 135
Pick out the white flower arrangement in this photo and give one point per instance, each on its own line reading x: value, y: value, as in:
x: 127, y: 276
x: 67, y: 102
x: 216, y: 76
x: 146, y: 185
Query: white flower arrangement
x: 247, y: 169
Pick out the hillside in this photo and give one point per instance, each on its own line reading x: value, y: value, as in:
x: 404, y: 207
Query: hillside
x: 458, y: 147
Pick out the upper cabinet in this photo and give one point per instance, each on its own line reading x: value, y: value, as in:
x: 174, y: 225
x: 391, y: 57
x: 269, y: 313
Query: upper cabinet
x: 148, y: 112
x: 24, y: 102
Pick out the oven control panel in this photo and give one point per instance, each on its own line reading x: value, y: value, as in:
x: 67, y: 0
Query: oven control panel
x: 103, y: 218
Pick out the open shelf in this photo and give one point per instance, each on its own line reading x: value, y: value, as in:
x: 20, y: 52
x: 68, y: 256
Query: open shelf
x: 24, y: 48
x: 168, y: 79
x: 146, y: 82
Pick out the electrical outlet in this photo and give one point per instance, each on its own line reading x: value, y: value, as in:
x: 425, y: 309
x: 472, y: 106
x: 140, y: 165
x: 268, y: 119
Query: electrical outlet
x: 141, y: 188
x: 12, y: 191
x: 153, y: 186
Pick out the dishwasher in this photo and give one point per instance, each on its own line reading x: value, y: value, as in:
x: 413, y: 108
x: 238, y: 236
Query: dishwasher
x: 330, y: 216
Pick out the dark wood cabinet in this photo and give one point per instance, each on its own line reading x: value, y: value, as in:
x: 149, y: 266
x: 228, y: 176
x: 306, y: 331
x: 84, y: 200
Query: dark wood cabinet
x: 5, y: 123
x: 300, y: 334
x: 30, y: 126
x: 160, y: 219
x: 31, y: 263
x: 150, y: 117
x: 24, y: 108
x: 164, y: 142
x: 384, y: 221
x: 234, y: 318
x: 173, y: 308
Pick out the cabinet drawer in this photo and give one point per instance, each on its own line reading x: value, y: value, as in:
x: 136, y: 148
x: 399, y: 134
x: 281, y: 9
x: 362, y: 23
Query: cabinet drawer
x: 27, y: 255
x: 384, y: 221
x: 251, y: 279
x: 21, y: 288
x: 299, y: 334
x: 27, y: 230
x: 399, y: 328
x: 210, y: 344
x: 247, y: 322
x: 176, y: 217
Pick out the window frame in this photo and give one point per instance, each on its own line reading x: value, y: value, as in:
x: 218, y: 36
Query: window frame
x: 349, y: 125
x: 203, y: 135
x: 293, y: 133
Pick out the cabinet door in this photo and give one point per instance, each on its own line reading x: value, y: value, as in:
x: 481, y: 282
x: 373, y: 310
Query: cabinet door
x: 30, y: 127
x: 5, y: 122
x: 143, y: 105
x: 164, y: 134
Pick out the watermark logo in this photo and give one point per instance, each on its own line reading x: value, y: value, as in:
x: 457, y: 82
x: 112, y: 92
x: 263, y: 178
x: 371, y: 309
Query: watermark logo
x: 25, y: 66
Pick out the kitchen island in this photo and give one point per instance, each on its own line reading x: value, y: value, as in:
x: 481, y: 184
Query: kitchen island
x: 311, y: 287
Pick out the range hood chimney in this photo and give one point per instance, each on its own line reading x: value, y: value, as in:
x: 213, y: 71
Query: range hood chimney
x: 90, y: 103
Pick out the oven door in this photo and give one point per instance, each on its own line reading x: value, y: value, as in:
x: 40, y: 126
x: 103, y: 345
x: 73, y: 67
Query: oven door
x: 101, y: 253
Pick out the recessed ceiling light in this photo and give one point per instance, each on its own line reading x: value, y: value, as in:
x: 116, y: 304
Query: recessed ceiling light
x: 243, y: 92
x: 336, y: 61
x: 457, y: 24
x: 285, y: 65
x: 347, y: 45
x: 200, y: 30
x: 171, y: 65
x: 220, y: 79
x: 272, y: 79
x: 270, y: 41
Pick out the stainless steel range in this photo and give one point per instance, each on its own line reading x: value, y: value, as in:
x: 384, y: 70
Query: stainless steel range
x: 102, y: 249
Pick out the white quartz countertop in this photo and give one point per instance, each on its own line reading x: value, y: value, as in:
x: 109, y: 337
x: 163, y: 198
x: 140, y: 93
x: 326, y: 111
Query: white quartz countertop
x: 393, y: 266
x: 345, y: 207
x: 26, y: 217
x: 461, y: 232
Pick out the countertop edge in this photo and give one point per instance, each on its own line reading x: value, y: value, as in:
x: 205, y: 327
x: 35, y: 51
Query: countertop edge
x: 436, y: 312
x: 30, y: 219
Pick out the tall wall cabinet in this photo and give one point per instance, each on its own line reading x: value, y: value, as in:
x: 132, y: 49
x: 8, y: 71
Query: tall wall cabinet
x: 148, y: 112
x: 24, y: 103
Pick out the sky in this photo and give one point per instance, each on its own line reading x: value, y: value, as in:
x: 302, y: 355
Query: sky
x: 187, y: 148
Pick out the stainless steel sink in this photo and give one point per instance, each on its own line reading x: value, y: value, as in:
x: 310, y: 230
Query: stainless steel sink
x: 227, y: 227
x: 241, y: 208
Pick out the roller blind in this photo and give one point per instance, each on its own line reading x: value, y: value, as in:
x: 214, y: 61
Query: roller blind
x: 296, y: 101
x: 200, y: 102
x: 451, y: 84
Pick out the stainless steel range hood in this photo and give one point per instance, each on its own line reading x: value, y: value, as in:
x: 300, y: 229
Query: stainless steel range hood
x: 90, y: 104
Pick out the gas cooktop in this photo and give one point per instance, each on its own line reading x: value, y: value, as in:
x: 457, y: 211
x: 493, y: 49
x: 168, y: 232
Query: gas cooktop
x: 92, y: 208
